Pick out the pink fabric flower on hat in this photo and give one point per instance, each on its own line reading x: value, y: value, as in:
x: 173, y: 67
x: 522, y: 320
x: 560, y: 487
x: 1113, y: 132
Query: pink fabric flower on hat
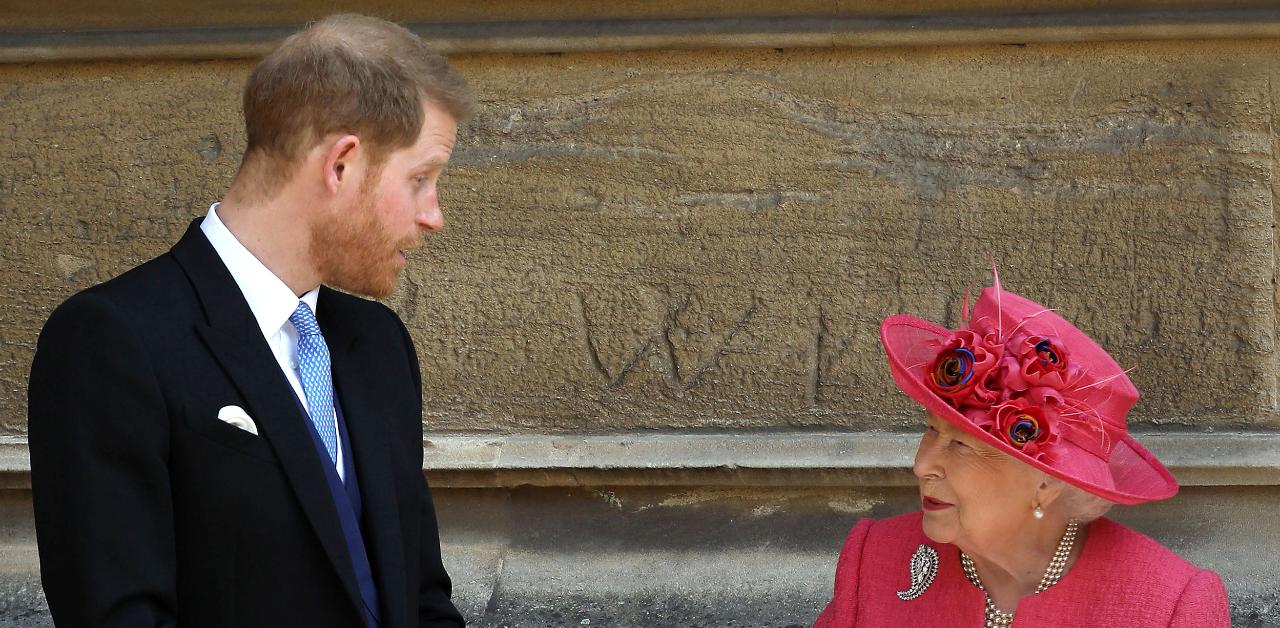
x: 960, y: 370
x: 1010, y: 375
x: 1034, y: 361
x: 1044, y: 362
x: 1025, y: 425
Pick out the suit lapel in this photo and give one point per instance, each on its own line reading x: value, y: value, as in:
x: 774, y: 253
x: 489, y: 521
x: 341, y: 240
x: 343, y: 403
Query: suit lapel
x: 233, y: 336
x: 367, y: 428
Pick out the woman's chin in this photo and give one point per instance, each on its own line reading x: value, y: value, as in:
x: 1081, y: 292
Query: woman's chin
x: 939, y: 527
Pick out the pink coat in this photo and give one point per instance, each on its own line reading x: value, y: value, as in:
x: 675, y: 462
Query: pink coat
x: 1122, y: 578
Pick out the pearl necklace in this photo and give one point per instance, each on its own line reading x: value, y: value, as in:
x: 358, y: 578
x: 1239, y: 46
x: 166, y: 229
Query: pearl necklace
x: 997, y: 618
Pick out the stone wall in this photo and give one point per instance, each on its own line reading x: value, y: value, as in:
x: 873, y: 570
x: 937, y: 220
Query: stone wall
x: 680, y: 240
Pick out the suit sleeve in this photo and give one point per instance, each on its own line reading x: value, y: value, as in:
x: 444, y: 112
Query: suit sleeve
x: 435, y: 608
x: 98, y: 432
x: 1203, y: 603
x: 842, y: 610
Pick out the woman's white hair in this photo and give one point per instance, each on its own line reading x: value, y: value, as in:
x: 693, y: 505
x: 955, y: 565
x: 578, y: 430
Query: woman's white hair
x: 1077, y: 503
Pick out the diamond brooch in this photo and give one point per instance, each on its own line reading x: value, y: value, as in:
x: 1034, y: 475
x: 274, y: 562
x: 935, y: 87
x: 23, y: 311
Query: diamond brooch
x: 924, y: 568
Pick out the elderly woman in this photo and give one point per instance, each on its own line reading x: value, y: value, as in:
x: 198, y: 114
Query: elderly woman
x: 1026, y: 448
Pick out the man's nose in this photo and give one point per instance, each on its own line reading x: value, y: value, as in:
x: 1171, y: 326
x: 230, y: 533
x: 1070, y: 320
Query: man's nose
x: 430, y: 217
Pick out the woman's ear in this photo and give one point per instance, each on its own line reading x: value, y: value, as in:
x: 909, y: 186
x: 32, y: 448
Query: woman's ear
x: 1049, y: 490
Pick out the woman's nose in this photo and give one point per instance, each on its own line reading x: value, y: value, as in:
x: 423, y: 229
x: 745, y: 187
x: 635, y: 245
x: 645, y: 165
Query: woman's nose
x: 926, y: 463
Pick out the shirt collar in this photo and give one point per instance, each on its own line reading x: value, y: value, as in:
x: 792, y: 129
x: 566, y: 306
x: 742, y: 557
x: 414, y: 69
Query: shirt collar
x: 270, y: 300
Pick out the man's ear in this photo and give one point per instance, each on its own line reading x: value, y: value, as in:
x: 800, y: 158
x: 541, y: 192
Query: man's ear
x: 340, y: 162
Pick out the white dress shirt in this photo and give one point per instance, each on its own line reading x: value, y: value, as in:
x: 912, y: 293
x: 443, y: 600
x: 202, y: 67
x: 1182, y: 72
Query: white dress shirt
x: 271, y: 301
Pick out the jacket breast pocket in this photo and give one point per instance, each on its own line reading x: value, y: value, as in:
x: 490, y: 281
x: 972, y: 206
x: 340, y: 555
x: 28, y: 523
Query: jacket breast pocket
x: 207, y: 425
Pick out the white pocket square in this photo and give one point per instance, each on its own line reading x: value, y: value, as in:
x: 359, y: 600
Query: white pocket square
x: 236, y: 416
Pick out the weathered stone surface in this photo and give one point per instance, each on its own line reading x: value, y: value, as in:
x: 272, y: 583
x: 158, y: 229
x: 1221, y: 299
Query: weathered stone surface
x: 707, y: 240
x: 715, y: 238
x: 698, y: 556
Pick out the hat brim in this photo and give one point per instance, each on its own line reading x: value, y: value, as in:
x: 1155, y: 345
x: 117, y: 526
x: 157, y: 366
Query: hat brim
x: 1131, y: 476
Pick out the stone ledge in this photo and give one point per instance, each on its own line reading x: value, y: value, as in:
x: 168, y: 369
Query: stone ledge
x: 748, y: 459
x: 768, y: 459
x: 797, y: 31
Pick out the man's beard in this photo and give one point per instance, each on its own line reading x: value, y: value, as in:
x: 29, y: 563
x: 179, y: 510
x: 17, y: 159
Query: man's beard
x: 354, y: 252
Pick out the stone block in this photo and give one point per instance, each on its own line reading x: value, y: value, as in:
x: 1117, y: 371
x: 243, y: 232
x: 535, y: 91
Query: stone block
x: 707, y: 240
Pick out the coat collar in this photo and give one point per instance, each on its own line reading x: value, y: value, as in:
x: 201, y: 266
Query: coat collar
x: 270, y: 299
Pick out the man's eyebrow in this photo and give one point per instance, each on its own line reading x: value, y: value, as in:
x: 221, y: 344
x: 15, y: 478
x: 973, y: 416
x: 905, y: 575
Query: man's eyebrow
x: 432, y: 162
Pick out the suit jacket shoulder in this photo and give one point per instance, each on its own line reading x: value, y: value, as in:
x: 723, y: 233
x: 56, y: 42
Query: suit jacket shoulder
x: 344, y: 318
x: 351, y: 315
x: 153, y: 293
x: 366, y: 311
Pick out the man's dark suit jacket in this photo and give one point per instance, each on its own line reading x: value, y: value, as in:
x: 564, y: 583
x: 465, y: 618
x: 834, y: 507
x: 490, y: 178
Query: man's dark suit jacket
x: 152, y: 512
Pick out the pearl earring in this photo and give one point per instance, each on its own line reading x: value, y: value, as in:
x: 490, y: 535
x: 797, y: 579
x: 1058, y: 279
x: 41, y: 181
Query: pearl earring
x: 1038, y: 513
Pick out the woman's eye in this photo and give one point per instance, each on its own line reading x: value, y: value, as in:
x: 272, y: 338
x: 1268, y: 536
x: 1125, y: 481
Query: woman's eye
x: 959, y: 443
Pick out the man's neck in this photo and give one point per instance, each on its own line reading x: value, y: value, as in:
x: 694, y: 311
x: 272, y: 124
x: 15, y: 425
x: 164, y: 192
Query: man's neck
x: 275, y: 234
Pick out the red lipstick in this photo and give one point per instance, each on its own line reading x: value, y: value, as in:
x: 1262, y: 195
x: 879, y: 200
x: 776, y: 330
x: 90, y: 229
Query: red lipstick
x: 930, y: 503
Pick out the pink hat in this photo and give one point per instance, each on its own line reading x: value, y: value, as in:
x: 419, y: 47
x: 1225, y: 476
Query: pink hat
x: 1024, y: 380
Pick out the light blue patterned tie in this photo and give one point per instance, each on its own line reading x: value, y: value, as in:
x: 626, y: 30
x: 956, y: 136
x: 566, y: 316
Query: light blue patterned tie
x: 317, y: 380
